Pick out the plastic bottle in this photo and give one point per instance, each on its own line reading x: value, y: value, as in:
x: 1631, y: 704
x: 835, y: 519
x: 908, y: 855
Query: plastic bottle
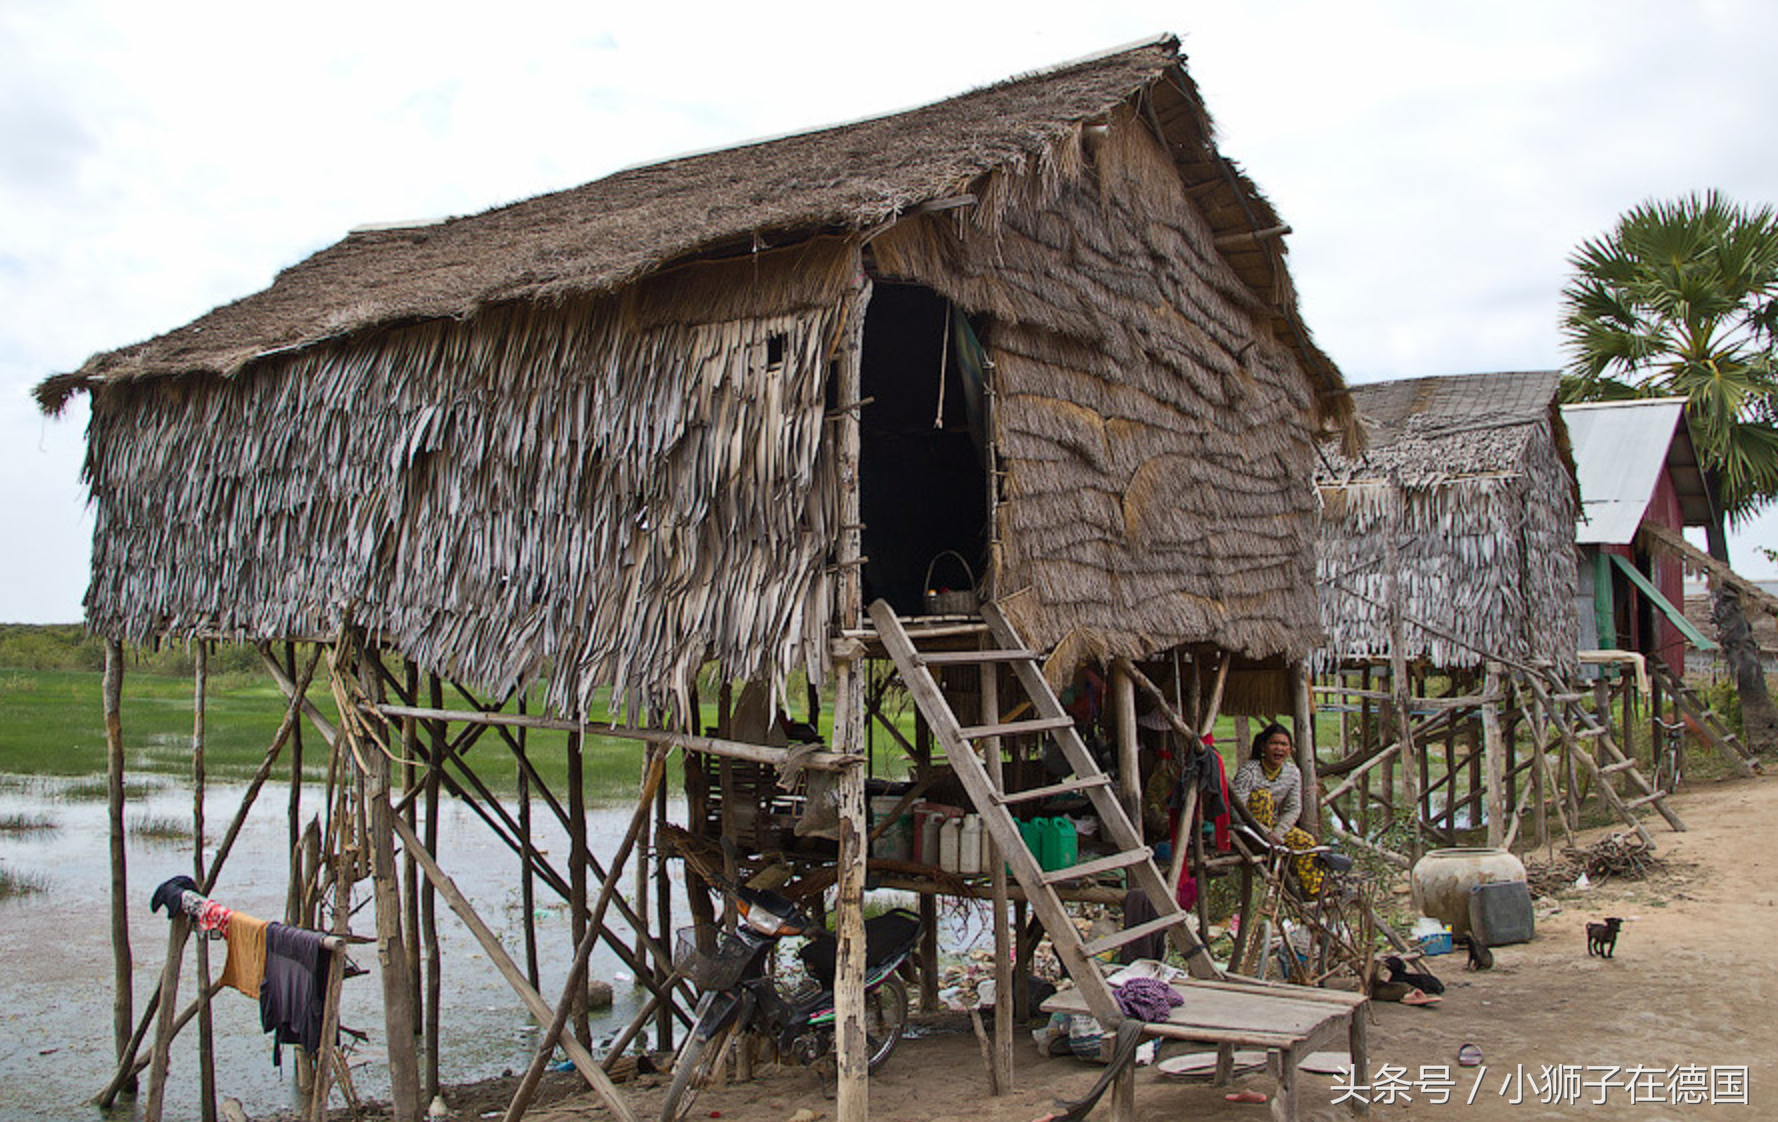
x: 1065, y: 843
x: 950, y: 839
x: 970, y: 859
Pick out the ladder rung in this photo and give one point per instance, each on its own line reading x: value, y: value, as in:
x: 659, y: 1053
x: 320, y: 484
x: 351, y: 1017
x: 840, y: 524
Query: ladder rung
x: 1041, y: 724
x: 1589, y: 734
x: 1645, y: 800
x: 1619, y: 766
x: 1103, y: 865
x: 1131, y: 934
x: 1069, y: 787
x: 933, y: 658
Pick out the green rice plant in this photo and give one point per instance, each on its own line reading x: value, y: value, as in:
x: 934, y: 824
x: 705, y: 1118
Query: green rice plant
x: 25, y: 822
x: 20, y: 884
x: 96, y: 789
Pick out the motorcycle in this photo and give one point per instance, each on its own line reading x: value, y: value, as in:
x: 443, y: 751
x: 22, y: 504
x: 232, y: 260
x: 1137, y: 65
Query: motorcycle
x: 739, y: 994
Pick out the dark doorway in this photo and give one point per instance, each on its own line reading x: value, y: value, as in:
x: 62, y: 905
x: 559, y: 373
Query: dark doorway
x: 923, y: 486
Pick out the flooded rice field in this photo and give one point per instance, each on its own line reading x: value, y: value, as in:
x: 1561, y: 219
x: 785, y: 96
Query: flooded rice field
x: 56, y: 965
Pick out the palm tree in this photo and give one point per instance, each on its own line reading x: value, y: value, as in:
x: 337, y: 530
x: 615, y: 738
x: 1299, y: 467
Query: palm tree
x: 1680, y: 299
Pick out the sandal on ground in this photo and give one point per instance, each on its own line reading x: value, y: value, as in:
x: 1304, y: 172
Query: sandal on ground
x: 1420, y: 997
x: 1469, y: 1056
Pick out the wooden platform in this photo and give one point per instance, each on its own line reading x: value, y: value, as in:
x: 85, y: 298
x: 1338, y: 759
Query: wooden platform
x: 1289, y: 1022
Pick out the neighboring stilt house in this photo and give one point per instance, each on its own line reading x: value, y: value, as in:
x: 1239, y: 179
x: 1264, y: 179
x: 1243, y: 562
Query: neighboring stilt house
x: 705, y: 411
x: 1446, y: 560
x: 1641, y: 486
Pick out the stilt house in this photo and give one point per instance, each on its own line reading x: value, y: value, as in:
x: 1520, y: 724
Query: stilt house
x: 1447, y: 548
x: 1036, y: 344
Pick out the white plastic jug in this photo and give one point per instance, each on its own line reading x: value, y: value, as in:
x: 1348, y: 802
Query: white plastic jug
x: 970, y: 847
x: 950, y: 843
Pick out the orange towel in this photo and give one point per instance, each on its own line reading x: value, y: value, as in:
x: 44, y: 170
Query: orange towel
x: 246, y: 954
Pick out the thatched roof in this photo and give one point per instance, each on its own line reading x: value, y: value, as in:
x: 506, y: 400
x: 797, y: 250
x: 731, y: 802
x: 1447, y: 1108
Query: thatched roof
x: 588, y: 436
x: 851, y: 178
x: 1425, y: 430
x: 1462, y: 508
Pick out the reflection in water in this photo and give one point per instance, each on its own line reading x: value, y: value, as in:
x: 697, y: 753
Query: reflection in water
x: 56, y: 987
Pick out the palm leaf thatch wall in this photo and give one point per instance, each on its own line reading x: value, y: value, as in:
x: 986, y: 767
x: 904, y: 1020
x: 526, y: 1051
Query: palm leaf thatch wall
x: 591, y: 433
x: 1150, y: 424
x: 1473, y: 479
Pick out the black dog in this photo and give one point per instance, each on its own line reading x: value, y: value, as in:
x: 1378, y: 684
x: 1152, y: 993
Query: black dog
x: 1480, y: 957
x: 1399, y: 972
x: 1602, y: 937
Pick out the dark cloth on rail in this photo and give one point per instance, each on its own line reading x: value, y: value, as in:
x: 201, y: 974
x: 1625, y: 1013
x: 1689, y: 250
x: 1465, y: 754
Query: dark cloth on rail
x: 166, y: 897
x: 293, y: 998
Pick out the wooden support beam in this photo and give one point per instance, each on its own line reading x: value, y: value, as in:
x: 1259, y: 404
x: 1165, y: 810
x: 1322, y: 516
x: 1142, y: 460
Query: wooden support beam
x: 206, y: 1027
x: 851, y: 1047
x: 122, y: 970
x: 491, y: 946
x: 756, y: 753
x: 1493, y: 753
x: 575, y: 986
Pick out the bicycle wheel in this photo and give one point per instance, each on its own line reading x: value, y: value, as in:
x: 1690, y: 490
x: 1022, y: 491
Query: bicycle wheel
x: 691, y: 1071
x: 885, y: 1015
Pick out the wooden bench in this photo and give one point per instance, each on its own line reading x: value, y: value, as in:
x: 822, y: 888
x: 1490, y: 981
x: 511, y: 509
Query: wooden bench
x: 1289, y: 1022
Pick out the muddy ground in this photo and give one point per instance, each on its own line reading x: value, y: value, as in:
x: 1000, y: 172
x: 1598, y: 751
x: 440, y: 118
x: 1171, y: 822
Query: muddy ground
x: 1694, y: 982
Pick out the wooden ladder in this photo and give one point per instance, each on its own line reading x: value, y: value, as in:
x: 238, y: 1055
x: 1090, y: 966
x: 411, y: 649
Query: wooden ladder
x: 960, y: 745
x: 1721, y: 737
x: 1579, y: 723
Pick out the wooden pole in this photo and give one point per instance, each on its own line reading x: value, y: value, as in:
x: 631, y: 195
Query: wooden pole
x: 490, y: 943
x: 163, y: 1035
x: 429, y: 895
x: 123, y: 999
x: 577, y: 856
x: 410, y: 897
x: 663, y: 899
x: 853, y: 1103
x: 527, y: 874
x: 1493, y: 752
x: 1304, y: 720
x: 398, y: 1011
x: 654, y: 771
x: 1006, y: 977
x: 292, y: 905
x: 206, y: 1027
x: 1129, y: 767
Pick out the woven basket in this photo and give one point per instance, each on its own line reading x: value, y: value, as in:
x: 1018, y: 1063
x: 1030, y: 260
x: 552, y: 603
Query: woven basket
x: 961, y: 602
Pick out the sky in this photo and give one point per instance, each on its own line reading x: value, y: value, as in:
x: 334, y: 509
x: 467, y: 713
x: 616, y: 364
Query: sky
x: 1437, y: 163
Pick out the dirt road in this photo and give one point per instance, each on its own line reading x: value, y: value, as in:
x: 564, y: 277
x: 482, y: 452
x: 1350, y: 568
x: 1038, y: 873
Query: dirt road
x: 1693, y: 987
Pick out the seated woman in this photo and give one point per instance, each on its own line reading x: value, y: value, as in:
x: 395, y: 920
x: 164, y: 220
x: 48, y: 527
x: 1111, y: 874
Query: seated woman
x: 1269, y: 785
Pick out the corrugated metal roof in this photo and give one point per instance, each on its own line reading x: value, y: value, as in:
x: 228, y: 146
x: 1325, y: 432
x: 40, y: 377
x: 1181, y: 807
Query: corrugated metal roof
x: 1619, y: 450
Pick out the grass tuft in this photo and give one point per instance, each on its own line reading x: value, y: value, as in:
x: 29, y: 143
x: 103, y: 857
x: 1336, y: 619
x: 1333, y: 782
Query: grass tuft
x: 21, y: 822
x: 163, y: 829
x: 20, y: 884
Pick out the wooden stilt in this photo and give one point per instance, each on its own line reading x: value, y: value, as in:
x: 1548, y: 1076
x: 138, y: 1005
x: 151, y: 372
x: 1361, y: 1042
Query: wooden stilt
x: 410, y: 897
x: 663, y: 899
x: 398, y: 1011
x: 527, y: 873
x: 1494, y: 695
x: 490, y: 943
x: 853, y: 1103
x: 163, y: 1037
x: 1129, y: 770
x: 292, y: 904
x: 1007, y: 980
x: 122, y: 998
x: 206, y: 1029
x: 429, y: 895
x: 577, y: 865
x: 576, y: 985
x: 1304, y: 720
